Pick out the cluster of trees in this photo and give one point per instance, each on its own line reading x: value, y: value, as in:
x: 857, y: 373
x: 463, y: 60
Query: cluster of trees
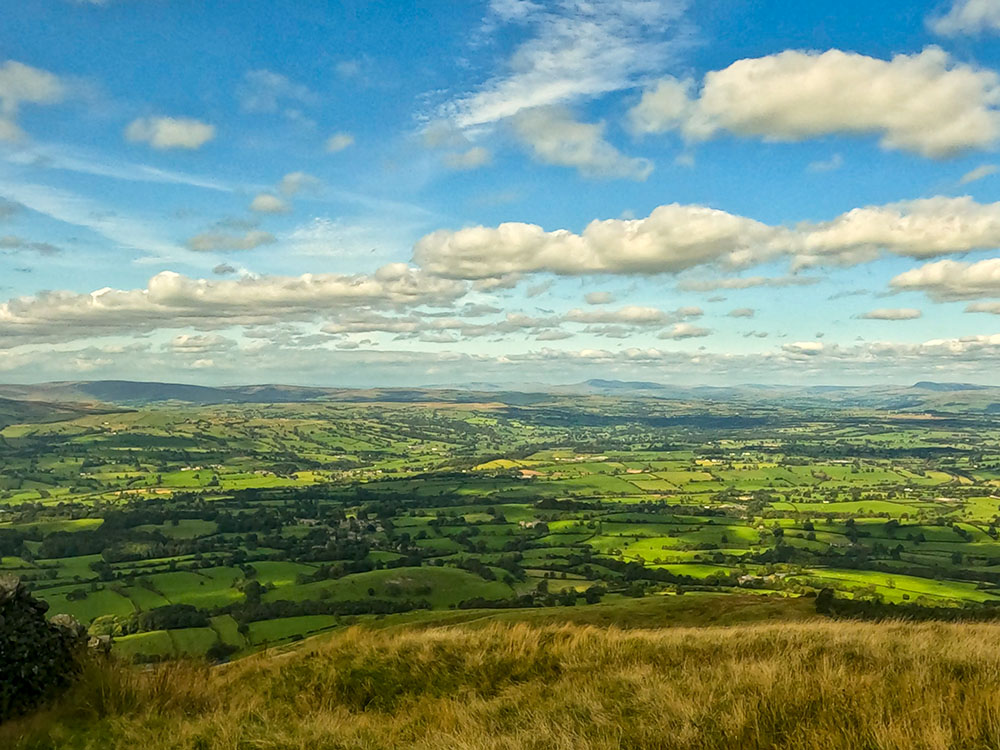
x: 829, y: 604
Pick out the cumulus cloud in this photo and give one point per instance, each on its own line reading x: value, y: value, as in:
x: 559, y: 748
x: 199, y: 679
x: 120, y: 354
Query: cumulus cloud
x: 915, y: 229
x: 675, y: 238
x: 220, y: 241
x: 170, y: 132
x: 801, y: 349
x: 681, y: 331
x: 23, y: 84
x: 555, y: 137
x: 968, y: 17
x: 599, y: 298
x: 171, y: 300
x: 884, y: 313
x: 200, y: 345
x: 742, y: 312
x: 473, y: 158
x: 273, y: 354
x: 443, y: 134
x: 431, y: 328
x: 338, y: 142
x: 984, y: 307
x: 633, y: 316
x: 948, y: 280
x: 437, y: 328
x: 555, y: 334
x: 266, y: 91
x: 925, y: 103
x: 294, y: 183
x: 266, y: 203
x: 671, y: 239
x: 575, y: 51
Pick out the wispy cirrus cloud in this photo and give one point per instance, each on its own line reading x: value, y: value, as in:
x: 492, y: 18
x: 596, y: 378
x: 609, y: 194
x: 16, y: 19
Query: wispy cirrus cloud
x: 576, y: 50
x: 63, y: 205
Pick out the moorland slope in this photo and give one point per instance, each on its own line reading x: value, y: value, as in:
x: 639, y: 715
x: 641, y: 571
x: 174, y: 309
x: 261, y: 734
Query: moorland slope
x: 816, y: 684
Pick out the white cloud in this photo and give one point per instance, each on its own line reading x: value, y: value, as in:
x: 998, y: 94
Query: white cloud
x: 170, y: 132
x: 920, y: 229
x: 473, y: 158
x: 219, y: 241
x: 968, y: 17
x: 294, y: 183
x: 75, y: 159
x: 804, y: 349
x: 984, y: 307
x: 200, y: 345
x: 555, y: 137
x: 338, y: 142
x: 904, y: 313
x: 599, y: 298
x: 275, y: 353
x: 666, y: 106
x: 746, y: 282
x: 952, y: 280
x: 62, y: 205
x: 578, y: 50
x: 742, y: 312
x: 434, y: 328
x: 171, y: 300
x: 444, y: 134
x: 978, y: 173
x: 266, y: 203
x: 23, y: 84
x: 675, y: 238
x: 671, y: 239
x: 266, y: 91
x: 681, y: 331
x: 832, y: 164
x: 926, y: 102
x: 632, y: 315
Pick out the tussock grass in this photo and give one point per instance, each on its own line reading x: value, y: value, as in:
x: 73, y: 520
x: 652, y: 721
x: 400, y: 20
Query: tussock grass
x: 819, y: 685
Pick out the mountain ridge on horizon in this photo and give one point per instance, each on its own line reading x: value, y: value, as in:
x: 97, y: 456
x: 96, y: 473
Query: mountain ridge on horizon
x: 129, y: 392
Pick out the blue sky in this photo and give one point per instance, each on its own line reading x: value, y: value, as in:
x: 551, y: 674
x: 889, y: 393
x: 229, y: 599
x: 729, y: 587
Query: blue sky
x: 397, y: 193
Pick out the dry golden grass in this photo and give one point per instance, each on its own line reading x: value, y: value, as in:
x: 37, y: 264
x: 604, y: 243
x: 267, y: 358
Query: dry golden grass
x: 815, y: 685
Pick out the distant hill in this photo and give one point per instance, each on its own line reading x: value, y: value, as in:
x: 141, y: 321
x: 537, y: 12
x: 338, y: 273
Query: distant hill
x: 129, y: 393
x: 924, y: 395
x: 631, y: 385
x: 927, y: 385
x: 137, y: 393
x: 17, y: 412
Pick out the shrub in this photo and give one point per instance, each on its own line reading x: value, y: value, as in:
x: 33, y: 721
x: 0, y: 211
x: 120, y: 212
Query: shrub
x: 38, y: 657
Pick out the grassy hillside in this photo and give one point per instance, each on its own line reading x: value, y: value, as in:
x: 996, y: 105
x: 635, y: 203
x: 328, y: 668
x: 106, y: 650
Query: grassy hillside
x: 17, y: 412
x: 794, y: 685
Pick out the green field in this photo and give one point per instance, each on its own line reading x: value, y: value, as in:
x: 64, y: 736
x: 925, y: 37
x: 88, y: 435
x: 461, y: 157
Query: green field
x: 188, y: 528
